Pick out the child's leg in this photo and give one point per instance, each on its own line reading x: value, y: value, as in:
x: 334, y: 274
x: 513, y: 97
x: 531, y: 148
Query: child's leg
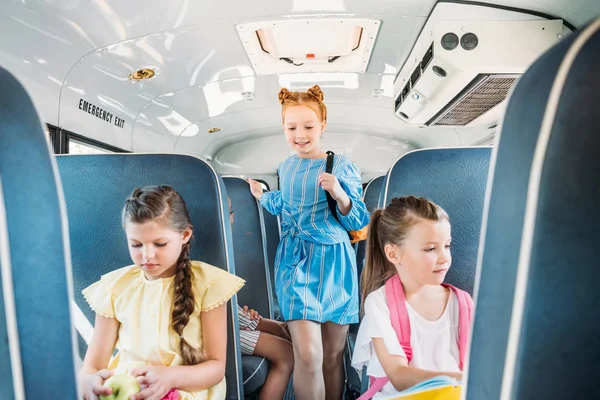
x: 279, y: 352
x: 308, y: 360
x: 334, y: 342
x: 274, y: 328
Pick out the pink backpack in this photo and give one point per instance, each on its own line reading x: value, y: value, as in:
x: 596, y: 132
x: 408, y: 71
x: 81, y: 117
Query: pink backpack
x: 396, y: 302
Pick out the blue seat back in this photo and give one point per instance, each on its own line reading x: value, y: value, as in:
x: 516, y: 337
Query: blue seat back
x: 273, y: 237
x: 372, y: 193
x: 37, y: 346
x: 536, y: 329
x: 249, y: 247
x: 371, y: 199
x: 455, y: 179
x: 96, y: 187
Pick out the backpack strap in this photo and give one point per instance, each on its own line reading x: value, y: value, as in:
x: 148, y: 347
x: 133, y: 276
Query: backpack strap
x: 329, y: 164
x: 330, y: 201
x: 396, y: 302
x: 376, y: 386
x: 465, y: 313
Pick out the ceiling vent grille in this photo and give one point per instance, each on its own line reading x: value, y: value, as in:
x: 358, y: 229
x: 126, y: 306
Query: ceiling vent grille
x: 483, y: 94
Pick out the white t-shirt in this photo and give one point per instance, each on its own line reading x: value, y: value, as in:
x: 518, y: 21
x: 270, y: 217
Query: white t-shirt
x: 434, y: 343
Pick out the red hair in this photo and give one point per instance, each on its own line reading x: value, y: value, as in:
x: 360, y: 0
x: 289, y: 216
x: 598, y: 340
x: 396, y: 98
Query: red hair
x: 312, y: 98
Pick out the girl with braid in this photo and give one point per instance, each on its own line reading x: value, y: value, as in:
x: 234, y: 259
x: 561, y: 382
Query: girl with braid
x: 165, y: 314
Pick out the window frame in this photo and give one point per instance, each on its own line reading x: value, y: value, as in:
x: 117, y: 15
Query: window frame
x: 60, y: 139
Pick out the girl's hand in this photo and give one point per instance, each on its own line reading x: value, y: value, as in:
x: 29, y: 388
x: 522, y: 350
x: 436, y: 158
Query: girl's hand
x: 256, y: 189
x: 91, y: 385
x: 154, y: 381
x: 331, y: 184
x: 456, y: 375
x: 252, y: 313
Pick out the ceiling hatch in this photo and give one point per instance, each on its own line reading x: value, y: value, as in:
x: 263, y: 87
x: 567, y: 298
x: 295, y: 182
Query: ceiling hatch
x: 309, y: 45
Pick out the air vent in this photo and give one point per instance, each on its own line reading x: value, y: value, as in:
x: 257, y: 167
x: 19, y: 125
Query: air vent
x: 464, y: 63
x: 483, y: 94
x: 414, y: 77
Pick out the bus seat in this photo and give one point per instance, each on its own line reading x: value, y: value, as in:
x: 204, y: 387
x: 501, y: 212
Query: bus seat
x: 252, y: 265
x: 249, y: 247
x: 371, y: 193
x: 96, y: 187
x: 273, y: 237
x: 455, y: 179
x: 536, y: 329
x: 37, y: 346
x: 371, y: 199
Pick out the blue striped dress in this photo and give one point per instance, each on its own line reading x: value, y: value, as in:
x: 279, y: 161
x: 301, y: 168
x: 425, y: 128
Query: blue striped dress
x: 315, y: 266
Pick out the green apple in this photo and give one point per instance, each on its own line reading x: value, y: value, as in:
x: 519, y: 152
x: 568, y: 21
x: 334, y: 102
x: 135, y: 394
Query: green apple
x: 123, y: 387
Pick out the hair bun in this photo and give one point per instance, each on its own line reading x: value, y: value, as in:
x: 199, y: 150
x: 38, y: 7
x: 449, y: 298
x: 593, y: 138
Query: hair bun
x: 316, y: 92
x: 135, y: 196
x: 283, y: 94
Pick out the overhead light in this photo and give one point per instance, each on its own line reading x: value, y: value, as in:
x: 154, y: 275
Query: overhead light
x: 301, y: 81
x: 309, y: 44
x: 142, y: 74
x: 213, y: 130
x: 287, y: 45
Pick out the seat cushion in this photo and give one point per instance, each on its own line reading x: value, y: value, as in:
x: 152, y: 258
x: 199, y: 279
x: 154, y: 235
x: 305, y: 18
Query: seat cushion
x: 254, y: 371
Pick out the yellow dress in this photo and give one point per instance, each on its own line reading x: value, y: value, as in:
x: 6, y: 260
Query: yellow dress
x: 143, y: 309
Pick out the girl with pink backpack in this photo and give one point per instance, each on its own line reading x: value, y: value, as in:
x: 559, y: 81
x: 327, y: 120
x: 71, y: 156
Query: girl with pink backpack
x: 415, y: 327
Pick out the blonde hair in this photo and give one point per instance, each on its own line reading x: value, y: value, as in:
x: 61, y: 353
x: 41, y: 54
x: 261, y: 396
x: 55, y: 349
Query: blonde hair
x: 312, y: 98
x: 391, y: 226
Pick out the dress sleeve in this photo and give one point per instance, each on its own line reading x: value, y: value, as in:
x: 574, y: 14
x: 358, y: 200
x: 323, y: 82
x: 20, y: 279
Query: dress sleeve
x: 101, y: 295
x: 358, y: 216
x: 375, y: 324
x: 272, y: 202
x: 217, y: 287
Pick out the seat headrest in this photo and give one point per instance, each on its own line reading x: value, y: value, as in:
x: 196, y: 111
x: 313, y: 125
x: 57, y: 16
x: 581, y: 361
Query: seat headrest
x: 455, y: 179
x: 371, y: 193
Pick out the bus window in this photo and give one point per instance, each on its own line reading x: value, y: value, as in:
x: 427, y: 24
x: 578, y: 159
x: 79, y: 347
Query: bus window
x: 77, y: 147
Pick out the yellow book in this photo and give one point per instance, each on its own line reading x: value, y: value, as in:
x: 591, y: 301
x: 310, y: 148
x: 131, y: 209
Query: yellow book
x: 440, y: 393
x: 437, y: 388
